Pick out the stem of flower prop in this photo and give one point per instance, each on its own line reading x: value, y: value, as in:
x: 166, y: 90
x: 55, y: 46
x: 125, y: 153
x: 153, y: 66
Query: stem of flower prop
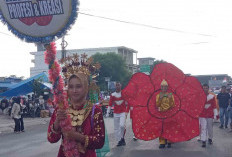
x: 60, y: 97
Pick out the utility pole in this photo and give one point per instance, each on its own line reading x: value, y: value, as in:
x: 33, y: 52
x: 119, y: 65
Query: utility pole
x: 63, y: 44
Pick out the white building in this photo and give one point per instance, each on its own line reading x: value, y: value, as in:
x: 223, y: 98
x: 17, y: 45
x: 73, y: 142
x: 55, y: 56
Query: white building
x: 146, y: 61
x: 129, y: 55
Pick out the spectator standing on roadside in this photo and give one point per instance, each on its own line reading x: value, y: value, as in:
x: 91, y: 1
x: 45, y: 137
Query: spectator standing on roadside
x: 44, y: 112
x: 4, y: 104
x: 16, y: 113
x: 224, y: 100
x: 22, y: 106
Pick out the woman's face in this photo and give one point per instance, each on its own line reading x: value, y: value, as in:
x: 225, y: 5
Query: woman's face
x: 164, y: 88
x: 76, y: 90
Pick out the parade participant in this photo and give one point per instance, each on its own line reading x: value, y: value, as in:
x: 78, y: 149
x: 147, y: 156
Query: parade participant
x: 170, y: 111
x: 120, y: 114
x: 224, y: 101
x: 164, y: 102
x: 217, y: 105
x: 206, y: 117
x: 88, y: 129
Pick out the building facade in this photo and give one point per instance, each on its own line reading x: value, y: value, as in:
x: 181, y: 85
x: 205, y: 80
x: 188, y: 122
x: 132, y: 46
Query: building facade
x: 128, y: 54
x: 145, y: 64
x: 214, y: 80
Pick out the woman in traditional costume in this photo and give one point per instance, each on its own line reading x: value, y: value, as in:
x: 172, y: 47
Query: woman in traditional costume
x: 88, y: 131
x: 164, y: 102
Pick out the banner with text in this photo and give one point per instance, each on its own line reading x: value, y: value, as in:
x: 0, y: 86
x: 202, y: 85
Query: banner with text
x: 38, y: 20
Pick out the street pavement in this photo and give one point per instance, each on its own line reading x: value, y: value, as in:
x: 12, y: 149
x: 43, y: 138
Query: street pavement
x: 7, y: 123
x: 33, y: 143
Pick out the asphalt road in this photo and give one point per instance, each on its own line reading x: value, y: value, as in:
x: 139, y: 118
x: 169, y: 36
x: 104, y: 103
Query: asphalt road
x: 33, y: 143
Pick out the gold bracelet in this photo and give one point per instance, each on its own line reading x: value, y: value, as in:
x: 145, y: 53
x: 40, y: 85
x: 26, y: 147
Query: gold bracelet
x: 53, y: 130
x: 86, y: 141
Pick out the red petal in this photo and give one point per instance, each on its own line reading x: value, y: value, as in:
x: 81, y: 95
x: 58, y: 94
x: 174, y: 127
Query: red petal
x: 170, y: 73
x: 180, y: 128
x: 144, y: 126
x: 44, y: 20
x: 192, y: 96
x: 138, y: 90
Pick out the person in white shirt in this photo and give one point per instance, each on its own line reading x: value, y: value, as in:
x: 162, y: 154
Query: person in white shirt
x: 16, y: 113
x: 121, y: 109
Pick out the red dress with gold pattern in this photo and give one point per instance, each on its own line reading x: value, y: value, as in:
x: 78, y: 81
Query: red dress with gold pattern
x: 95, y: 132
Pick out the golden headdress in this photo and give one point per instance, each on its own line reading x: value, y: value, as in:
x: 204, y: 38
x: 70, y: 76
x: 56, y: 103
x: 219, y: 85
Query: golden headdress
x: 164, y: 83
x: 75, y: 64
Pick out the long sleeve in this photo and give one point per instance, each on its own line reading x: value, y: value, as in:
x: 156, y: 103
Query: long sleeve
x: 110, y: 105
x: 158, y: 100
x: 111, y: 101
x: 97, y: 138
x: 214, y: 103
x: 127, y: 107
x: 53, y: 136
x: 172, y: 101
x: 13, y: 110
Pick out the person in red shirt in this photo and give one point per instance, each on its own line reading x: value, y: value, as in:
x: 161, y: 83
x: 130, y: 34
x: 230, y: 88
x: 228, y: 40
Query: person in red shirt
x: 206, y: 117
x: 121, y: 109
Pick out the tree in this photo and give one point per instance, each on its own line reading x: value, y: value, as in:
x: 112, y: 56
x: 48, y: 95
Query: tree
x: 157, y: 62
x: 37, y: 88
x: 112, y: 66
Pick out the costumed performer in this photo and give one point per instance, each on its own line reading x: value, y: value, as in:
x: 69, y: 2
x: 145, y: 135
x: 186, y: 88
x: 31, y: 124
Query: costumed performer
x: 88, y: 129
x: 164, y: 102
x: 121, y: 109
x: 206, y: 117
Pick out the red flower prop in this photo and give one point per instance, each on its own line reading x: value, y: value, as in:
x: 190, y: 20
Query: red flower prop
x: 180, y: 123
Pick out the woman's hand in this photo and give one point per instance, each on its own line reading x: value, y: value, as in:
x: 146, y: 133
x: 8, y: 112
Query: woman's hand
x: 74, y: 135
x: 60, y: 115
x: 71, y: 135
x: 161, y: 95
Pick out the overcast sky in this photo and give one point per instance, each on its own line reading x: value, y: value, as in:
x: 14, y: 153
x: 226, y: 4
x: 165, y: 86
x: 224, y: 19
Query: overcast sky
x: 196, y: 34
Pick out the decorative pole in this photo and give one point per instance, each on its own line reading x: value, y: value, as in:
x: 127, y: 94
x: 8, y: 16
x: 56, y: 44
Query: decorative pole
x: 60, y: 96
x: 63, y: 44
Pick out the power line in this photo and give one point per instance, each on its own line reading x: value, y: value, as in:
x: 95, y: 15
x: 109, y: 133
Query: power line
x: 5, y: 34
x: 138, y: 24
x: 144, y: 25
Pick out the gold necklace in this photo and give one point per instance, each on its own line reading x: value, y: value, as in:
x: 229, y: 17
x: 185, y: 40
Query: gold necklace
x: 78, y: 116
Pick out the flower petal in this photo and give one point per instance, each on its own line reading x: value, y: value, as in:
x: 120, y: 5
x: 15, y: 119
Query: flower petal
x: 180, y: 128
x: 138, y: 90
x: 192, y: 96
x: 170, y: 73
x: 144, y: 126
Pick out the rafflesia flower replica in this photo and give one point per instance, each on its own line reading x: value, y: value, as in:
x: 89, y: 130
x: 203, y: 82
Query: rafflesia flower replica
x: 180, y: 122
